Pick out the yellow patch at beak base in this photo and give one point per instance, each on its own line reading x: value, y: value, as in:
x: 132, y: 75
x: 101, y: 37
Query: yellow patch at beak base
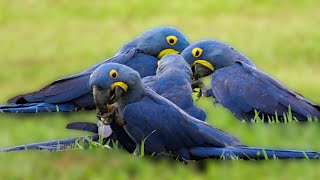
x: 204, y: 63
x: 167, y: 51
x: 123, y: 85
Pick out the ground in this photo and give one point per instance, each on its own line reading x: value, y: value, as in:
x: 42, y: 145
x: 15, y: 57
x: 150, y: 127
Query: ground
x: 45, y: 40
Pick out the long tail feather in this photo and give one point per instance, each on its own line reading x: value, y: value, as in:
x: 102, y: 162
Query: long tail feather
x: 252, y: 153
x: 55, y: 145
x: 83, y: 126
x: 38, y: 108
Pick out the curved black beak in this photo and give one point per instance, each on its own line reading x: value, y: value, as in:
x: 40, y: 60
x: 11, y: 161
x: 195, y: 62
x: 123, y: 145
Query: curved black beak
x: 200, y: 71
x: 116, y: 94
x: 105, y: 97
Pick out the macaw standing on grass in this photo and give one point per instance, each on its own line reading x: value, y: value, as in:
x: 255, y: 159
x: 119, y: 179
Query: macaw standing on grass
x: 242, y: 88
x: 172, y: 81
x: 162, y: 127
x: 73, y: 93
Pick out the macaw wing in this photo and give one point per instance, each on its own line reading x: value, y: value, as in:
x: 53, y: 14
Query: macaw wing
x: 69, y: 88
x: 243, y: 88
x: 300, y: 107
x: 166, y: 124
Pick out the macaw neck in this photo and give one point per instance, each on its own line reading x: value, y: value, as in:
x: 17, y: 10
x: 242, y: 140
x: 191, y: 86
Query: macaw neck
x: 135, y: 94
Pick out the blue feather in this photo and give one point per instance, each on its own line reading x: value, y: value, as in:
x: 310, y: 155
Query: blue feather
x: 140, y: 54
x: 243, y: 89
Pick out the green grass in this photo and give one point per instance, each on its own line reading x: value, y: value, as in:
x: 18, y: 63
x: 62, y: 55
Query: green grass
x: 45, y: 40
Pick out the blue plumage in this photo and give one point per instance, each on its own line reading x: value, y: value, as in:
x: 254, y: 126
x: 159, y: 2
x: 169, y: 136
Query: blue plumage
x: 39, y: 107
x: 55, y: 145
x: 140, y: 54
x: 163, y: 127
x: 242, y: 88
x: 252, y: 153
x: 172, y: 81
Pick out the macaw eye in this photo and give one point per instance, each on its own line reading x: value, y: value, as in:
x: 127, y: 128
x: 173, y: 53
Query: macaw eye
x: 172, y: 40
x: 196, y: 52
x: 113, y: 74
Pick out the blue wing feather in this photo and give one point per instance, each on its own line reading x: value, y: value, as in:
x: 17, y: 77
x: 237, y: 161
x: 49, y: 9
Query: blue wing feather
x: 170, y: 121
x: 242, y: 89
x: 74, y: 90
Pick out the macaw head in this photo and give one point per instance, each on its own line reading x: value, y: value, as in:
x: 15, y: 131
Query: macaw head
x: 207, y: 56
x: 113, y: 82
x: 173, y: 61
x: 160, y: 41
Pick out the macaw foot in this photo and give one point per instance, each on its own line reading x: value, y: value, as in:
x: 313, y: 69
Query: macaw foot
x: 203, y: 90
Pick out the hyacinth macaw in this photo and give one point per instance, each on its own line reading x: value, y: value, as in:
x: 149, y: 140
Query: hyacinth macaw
x: 161, y: 126
x: 242, y: 88
x: 73, y: 93
x: 172, y: 81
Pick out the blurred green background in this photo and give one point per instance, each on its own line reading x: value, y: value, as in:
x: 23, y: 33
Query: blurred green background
x: 41, y: 41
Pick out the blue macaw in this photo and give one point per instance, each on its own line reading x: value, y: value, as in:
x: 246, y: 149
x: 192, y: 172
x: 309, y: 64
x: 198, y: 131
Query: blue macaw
x: 73, y: 93
x: 172, y: 81
x: 161, y: 126
x: 242, y: 88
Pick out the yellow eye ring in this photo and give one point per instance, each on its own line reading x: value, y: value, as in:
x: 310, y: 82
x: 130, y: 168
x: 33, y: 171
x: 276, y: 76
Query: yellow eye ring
x: 196, y: 52
x: 113, y: 74
x: 172, y: 40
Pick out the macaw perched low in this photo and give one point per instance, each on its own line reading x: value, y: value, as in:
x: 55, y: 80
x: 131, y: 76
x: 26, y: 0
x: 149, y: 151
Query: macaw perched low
x: 242, y: 88
x: 161, y: 126
x: 172, y: 81
x: 73, y: 93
